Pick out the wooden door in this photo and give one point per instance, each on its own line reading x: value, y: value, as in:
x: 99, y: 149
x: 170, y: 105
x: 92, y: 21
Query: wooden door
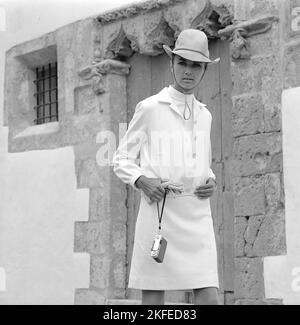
x: 148, y: 76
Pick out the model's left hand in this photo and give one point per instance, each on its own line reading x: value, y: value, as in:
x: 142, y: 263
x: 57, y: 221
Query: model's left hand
x: 206, y: 191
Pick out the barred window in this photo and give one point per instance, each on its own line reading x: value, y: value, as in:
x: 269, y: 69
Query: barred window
x: 46, y: 94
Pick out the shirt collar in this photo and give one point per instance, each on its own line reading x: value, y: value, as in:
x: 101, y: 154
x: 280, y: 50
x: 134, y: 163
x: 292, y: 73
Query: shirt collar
x: 164, y: 97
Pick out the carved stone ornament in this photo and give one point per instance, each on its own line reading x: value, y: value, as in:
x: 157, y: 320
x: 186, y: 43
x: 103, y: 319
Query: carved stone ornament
x: 121, y: 47
x: 97, y: 48
x: 239, y: 33
x: 240, y: 48
x: 212, y: 19
x: 161, y: 35
x: 135, y: 9
x: 98, y: 70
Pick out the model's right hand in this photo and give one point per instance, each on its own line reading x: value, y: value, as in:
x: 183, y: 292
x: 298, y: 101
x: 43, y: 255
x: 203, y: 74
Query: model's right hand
x: 151, y: 187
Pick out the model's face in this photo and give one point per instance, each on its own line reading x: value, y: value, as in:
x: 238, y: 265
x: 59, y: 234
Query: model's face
x: 187, y: 74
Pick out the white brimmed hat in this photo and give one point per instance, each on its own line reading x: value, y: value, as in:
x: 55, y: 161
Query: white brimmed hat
x: 191, y: 44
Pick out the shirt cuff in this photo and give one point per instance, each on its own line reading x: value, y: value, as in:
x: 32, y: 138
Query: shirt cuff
x: 211, y: 174
x: 133, y: 180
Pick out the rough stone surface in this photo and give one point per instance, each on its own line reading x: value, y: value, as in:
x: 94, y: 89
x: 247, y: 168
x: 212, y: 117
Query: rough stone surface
x: 240, y: 227
x: 249, y: 196
x: 229, y: 298
x: 92, y: 237
x: 250, y: 76
x: 292, y: 66
x: 264, y: 234
x: 99, y: 206
x: 85, y: 100
x: 257, y: 154
x: 119, y: 271
x: 247, y: 230
x: 267, y: 43
x: 247, y: 115
x: 88, y: 297
x: 249, y: 278
x: 259, y: 302
x: 134, y: 10
x: 89, y: 174
x: 119, y: 238
x: 255, y: 8
x: 270, y: 238
x: 274, y: 192
x: 100, y: 272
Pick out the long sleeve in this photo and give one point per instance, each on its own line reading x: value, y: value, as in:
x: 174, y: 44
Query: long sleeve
x: 210, y: 172
x: 124, y: 161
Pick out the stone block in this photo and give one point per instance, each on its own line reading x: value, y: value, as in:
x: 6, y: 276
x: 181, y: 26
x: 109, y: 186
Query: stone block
x: 268, y: 70
x: 258, y: 302
x: 257, y: 154
x: 119, y: 197
x: 247, y: 115
x: 265, y: 66
x: 229, y: 298
x: 99, y: 205
x: 267, y: 7
x: 257, y: 75
x: 266, y: 43
x: 274, y: 192
x: 292, y: 66
x: 240, y: 227
x: 249, y: 196
x: 85, y: 100
x: 87, y: 149
x: 100, y: 272
x: 251, y: 233
x: 119, y: 271
x: 90, y: 174
x: 270, y: 238
x: 117, y: 293
x: 260, y: 236
x: 123, y: 302
x: 78, y: 129
x: 228, y: 244
x: 242, y: 78
x: 92, y: 237
x: 119, y: 238
x: 249, y: 282
x: 88, y: 297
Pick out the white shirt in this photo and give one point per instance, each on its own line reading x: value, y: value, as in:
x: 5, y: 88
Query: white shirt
x: 159, y: 142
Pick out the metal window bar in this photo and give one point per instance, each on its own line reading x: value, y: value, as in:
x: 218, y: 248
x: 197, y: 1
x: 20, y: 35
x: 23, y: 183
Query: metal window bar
x: 44, y: 91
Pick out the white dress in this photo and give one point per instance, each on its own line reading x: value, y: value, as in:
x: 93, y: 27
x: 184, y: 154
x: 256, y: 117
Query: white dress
x: 163, y: 140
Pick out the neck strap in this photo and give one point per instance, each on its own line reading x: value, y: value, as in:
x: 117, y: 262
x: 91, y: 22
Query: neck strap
x: 162, y: 209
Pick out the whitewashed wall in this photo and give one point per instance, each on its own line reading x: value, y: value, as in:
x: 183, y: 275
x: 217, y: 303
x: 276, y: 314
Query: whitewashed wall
x: 39, y: 202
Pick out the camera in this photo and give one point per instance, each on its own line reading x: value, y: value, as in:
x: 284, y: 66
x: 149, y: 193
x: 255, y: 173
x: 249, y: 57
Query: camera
x: 158, y: 248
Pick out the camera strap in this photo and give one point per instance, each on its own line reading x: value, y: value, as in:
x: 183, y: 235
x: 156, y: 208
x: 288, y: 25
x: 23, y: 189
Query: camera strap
x: 162, y: 209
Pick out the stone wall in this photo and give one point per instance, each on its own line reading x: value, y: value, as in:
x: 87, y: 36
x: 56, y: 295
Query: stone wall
x: 92, y: 98
x: 257, y: 169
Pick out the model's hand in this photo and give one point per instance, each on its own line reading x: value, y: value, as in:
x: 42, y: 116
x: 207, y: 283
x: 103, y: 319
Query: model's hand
x: 206, y: 191
x: 151, y: 187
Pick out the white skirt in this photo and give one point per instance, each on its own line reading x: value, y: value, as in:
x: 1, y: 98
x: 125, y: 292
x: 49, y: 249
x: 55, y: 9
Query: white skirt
x: 190, y: 260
